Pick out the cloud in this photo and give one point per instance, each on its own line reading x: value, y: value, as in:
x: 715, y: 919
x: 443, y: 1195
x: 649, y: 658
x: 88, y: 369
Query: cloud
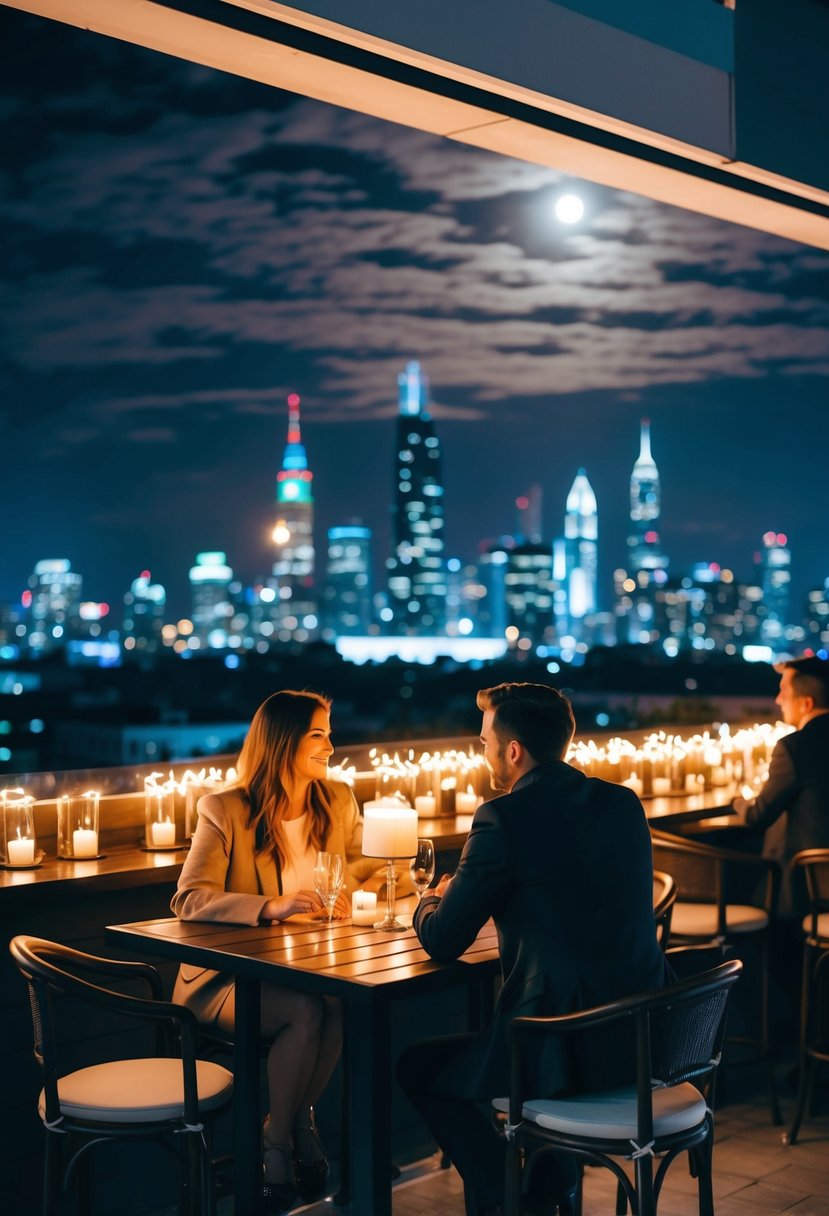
x: 164, y: 234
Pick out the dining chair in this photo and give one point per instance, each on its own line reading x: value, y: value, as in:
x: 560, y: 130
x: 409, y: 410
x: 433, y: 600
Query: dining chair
x: 813, y: 864
x: 675, y: 1036
x: 730, y: 898
x: 664, y: 898
x: 170, y: 1097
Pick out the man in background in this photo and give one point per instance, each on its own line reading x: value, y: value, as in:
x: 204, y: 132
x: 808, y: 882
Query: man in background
x: 793, y: 805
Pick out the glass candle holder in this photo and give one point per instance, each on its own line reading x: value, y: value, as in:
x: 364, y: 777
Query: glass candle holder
x: 19, y: 840
x: 78, y: 825
x: 160, y: 815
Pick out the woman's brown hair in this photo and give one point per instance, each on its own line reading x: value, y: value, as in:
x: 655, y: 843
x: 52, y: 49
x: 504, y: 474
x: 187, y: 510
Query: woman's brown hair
x: 265, y: 761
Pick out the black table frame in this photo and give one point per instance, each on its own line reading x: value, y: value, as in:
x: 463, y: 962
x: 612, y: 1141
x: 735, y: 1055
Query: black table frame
x: 381, y: 968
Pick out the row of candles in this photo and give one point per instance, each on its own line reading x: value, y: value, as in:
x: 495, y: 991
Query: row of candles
x: 455, y: 782
x: 169, y: 817
x: 441, y: 783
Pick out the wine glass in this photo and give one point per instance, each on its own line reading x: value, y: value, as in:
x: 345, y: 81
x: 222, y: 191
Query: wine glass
x: 422, y: 866
x: 328, y: 881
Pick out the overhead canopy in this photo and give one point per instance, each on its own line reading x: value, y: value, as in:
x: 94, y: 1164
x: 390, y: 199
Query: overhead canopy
x: 722, y: 113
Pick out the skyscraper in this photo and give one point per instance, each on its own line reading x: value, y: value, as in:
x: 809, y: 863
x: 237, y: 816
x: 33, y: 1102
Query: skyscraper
x: 348, y: 582
x: 580, y: 553
x: 144, y: 606
x: 645, y: 552
x: 416, y: 573
x: 293, y: 537
x: 53, y: 602
x: 773, y: 562
x: 211, y: 601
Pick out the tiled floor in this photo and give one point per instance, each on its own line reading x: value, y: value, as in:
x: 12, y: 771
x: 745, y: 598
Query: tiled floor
x: 755, y: 1174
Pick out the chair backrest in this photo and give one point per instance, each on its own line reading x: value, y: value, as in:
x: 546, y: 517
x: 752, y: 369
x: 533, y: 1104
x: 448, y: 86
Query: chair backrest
x: 51, y: 970
x: 664, y: 898
x: 687, y: 1025
x: 705, y: 874
x: 814, y: 865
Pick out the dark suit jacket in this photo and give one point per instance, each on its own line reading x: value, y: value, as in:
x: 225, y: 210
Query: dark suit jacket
x: 798, y: 784
x: 563, y: 865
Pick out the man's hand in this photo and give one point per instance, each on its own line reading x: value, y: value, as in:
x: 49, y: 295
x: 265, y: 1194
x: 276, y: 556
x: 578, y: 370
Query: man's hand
x: 443, y: 883
x: 740, y: 806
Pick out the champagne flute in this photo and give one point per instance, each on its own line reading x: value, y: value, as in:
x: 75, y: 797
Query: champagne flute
x: 422, y: 866
x: 328, y: 881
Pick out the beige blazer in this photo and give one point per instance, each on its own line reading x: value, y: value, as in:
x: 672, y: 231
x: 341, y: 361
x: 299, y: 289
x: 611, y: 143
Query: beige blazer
x: 224, y: 880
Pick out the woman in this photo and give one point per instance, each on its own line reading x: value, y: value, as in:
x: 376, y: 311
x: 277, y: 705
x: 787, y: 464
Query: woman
x: 252, y: 862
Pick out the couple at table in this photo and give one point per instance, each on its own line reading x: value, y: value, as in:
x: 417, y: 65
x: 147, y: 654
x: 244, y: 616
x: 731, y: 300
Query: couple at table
x: 562, y: 863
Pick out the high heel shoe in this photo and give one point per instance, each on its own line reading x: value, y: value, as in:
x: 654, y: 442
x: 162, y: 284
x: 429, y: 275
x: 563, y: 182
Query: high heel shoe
x: 278, y: 1194
x: 311, y: 1176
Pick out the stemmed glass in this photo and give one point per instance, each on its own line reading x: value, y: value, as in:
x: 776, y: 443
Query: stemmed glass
x: 328, y: 881
x: 422, y: 866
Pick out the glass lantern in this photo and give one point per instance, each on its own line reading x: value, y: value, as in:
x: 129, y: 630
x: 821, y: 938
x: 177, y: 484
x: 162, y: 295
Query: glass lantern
x: 78, y: 825
x: 160, y: 814
x: 19, y: 840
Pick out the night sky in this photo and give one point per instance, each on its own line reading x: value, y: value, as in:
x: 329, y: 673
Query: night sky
x: 181, y: 249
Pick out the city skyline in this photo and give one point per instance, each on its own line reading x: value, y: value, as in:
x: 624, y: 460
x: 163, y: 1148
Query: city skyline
x: 186, y: 249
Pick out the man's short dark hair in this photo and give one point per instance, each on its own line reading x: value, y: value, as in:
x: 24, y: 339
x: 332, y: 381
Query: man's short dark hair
x: 810, y: 679
x: 538, y: 716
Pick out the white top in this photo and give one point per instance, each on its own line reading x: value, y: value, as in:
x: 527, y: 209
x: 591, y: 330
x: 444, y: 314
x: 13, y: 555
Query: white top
x: 298, y: 871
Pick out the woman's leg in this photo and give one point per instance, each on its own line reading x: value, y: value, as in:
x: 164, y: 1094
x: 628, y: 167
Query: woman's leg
x: 295, y: 1022
x: 306, y: 1141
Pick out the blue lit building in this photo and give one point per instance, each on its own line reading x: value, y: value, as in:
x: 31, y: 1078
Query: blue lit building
x: 144, y: 606
x: 348, y: 582
x: 576, y: 560
x: 773, y: 573
x: 416, y: 576
x: 211, y: 601
x: 53, y: 603
x: 644, y: 547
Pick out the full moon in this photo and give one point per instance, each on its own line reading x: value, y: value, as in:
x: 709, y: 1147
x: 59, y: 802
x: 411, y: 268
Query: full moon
x: 569, y: 208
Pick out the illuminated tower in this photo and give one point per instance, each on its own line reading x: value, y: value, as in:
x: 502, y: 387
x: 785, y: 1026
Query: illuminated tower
x: 53, y: 602
x: 293, y: 537
x: 416, y: 574
x: 144, y: 606
x: 348, y: 582
x: 580, y: 552
x: 643, y: 541
x: 773, y: 567
x: 211, y: 601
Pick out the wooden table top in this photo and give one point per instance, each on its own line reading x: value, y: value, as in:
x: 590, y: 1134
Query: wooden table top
x: 340, y: 960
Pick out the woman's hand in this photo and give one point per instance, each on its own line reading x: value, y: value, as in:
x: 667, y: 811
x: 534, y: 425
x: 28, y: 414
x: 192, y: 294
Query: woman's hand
x: 287, y: 905
x: 342, y: 908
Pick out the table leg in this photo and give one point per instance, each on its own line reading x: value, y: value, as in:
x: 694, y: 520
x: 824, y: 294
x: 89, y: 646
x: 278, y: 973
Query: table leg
x: 368, y: 1044
x: 247, y: 1131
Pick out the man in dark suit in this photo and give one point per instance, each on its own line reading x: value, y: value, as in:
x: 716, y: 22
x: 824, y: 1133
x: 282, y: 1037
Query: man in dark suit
x: 562, y: 863
x: 793, y: 805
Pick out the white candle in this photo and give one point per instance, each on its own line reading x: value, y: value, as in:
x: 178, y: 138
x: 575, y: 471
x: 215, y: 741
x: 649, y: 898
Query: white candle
x: 84, y: 843
x: 718, y: 775
x: 661, y: 785
x: 633, y: 783
x: 363, y: 908
x: 466, y: 802
x: 390, y: 830
x: 426, y: 805
x: 21, y: 852
x: 162, y: 834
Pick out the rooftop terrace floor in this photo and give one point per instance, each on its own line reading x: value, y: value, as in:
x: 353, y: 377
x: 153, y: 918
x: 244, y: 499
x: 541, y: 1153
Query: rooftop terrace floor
x: 755, y: 1173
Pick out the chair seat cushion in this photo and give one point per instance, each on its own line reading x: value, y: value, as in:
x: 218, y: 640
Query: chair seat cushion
x: 700, y: 920
x: 612, y: 1115
x: 822, y: 925
x: 137, y: 1091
